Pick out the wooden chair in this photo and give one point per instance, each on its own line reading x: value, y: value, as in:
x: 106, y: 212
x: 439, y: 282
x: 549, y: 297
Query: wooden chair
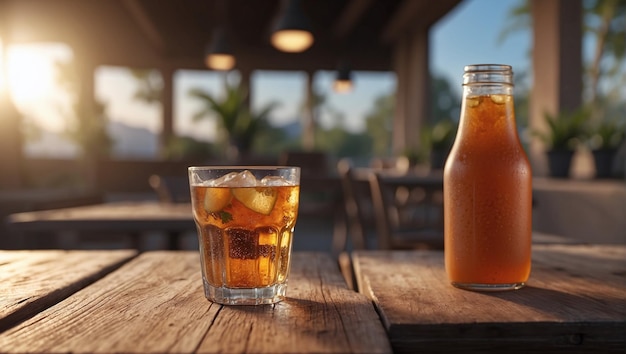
x: 171, y: 189
x: 320, y: 189
x: 311, y: 163
x: 408, y: 210
x: 358, y: 207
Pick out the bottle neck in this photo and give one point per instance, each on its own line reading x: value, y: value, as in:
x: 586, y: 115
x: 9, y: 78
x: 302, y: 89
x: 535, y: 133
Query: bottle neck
x: 487, y: 114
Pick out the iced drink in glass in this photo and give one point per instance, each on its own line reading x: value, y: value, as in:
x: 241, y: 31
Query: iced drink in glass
x: 245, y: 218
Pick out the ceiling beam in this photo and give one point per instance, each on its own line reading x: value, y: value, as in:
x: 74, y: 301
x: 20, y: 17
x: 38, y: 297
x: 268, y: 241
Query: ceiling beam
x: 415, y: 14
x: 146, y: 24
x: 350, y: 17
x: 404, y: 17
x: 371, y: 59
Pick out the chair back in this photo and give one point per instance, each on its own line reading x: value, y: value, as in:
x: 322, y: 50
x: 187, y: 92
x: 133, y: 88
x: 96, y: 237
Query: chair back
x: 408, y: 211
x: 311, y: 163
x: 357, y: 204
x: 171, y: 189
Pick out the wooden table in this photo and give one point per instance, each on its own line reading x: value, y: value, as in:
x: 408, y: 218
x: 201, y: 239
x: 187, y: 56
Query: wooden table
x: 575, y: 301
x: 133, y: 218
x: 118, y: 301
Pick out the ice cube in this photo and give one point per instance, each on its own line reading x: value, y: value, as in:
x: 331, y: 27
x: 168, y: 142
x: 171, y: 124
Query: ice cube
x: 500, y: 99
x: 473, y: 101
x: 275, y: 181
x: 222, y: 181
x: 236, y: 179
x: 195, y: 179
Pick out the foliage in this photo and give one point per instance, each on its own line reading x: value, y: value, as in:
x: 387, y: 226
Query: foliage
x: 250, y: 124
x: 179, y: 148
x: 606, y: 21
x: 150, y: 85
x: 344, y: 144
x: 564, y: 130
x: 272, y: 142
x: 607, y: 134
x: 437, y: 137
x: 87, y: 125
x: 379, y: 124
x: 240, y: 125
x: 441, y: 135
x: 519, y: 19
x: 444, y: 99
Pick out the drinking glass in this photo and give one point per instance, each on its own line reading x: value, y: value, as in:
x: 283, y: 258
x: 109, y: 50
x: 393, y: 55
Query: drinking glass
x: 245, y: 218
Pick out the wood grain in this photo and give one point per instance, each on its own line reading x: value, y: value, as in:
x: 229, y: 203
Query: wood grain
x: 575, y: 301
x: 34, y: 280
x: 155, y: 303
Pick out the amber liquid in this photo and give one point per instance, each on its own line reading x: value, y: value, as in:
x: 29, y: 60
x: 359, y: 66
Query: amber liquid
x: 487, y: 197
x: 243, y: 248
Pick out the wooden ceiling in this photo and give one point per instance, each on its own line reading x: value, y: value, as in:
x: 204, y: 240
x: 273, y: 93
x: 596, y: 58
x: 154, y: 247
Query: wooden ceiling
x: 174, y: 33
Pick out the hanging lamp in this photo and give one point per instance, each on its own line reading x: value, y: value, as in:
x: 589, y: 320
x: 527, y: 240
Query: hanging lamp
x: 343, y: 81
x: 218, y: 55
x: 292, y: 32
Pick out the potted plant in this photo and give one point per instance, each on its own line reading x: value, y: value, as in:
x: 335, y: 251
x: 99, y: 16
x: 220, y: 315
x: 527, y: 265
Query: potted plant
x: 604, y: 139
x: 240, y: 125
x: 439, y: 139
x: 561, y: 138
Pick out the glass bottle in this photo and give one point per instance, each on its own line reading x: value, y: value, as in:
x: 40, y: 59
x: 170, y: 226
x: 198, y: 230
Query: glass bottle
x: 487, y: 188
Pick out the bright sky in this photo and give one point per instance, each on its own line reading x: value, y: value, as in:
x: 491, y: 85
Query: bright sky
x: 468, y: 35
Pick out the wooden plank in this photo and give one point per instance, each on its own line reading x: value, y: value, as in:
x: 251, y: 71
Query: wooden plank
x: 156, y: 304
x: 125, y: 216
x: 574, y: 302
x: 34, y: 280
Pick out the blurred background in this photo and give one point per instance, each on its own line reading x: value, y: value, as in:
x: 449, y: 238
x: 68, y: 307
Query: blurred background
x: 97, y: 96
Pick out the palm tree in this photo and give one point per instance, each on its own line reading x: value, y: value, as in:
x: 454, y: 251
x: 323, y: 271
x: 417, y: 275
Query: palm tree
x: 605, y: 20
x: 150, y: 84
x: 238, y: 123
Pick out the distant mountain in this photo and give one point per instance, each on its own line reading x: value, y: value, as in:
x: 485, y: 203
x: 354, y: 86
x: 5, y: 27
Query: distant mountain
x: 292, y: 129
x: 131, y: 141
x: 51, y: 144
x: 128, y: 142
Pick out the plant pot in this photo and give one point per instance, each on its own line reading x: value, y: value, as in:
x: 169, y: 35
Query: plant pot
x: 603, y: 160
x: 559, y: 162
x: 438, y: 158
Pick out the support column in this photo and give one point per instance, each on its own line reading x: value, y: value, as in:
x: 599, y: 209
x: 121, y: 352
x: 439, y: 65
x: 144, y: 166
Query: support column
x: 167, y: 107
x: 309, y: 119
x: 92, y: 123
x: 557, y: 67
x: 413, y: 77
x: 245, y: 74
x: 401, y: 59
x: 11, y: 156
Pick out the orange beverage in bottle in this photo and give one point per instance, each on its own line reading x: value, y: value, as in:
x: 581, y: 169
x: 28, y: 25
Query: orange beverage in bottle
x: 245, y: 233
x: 487, y: 188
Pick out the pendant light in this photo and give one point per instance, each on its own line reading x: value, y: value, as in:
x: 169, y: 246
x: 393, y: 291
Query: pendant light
x: 292, y: 32
x: 218, y: 55
x: 343, y: 81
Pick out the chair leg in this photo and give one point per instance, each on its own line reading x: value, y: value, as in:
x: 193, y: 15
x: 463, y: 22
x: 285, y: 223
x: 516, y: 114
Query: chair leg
x: 340, y: 233
x: 172, y: 240
x: 345, y: 266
